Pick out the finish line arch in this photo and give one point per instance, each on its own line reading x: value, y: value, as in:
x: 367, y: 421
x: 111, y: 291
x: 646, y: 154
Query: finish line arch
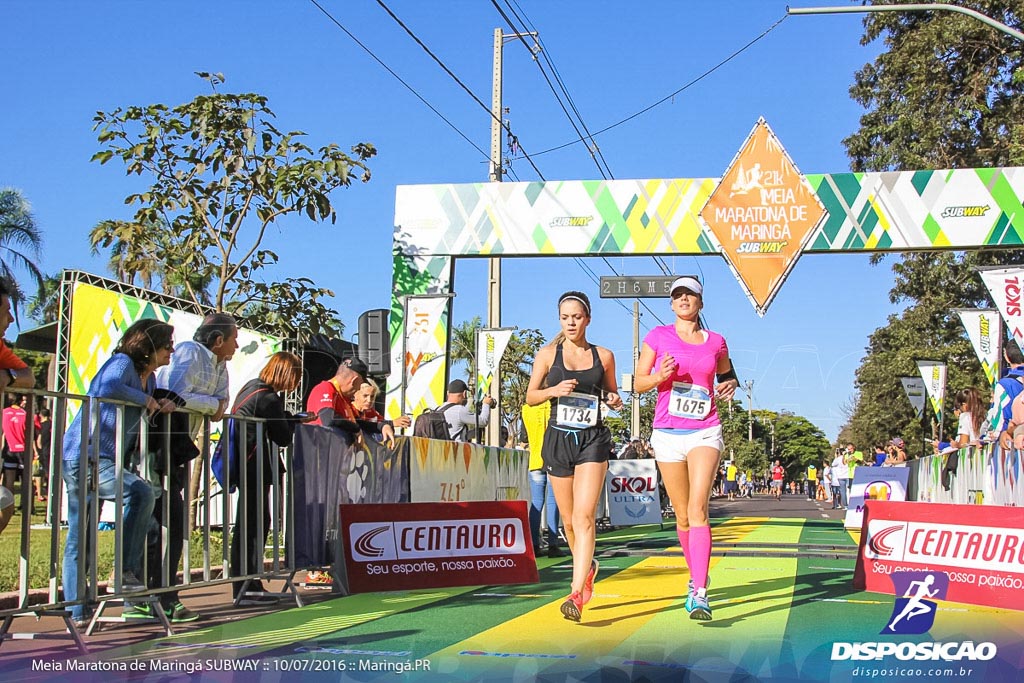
x: 761, y: 216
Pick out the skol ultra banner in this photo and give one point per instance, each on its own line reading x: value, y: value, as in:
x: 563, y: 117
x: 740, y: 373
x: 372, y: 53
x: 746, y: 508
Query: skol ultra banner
x: 434, y: 545
x: 1004, y: 284
x: 455, y: 471
x: 490, y: 347
x: 984, y: 330
x: 934, y: 376
x: 633, y: 496
x: 425, y: 343
x: 915, y: 389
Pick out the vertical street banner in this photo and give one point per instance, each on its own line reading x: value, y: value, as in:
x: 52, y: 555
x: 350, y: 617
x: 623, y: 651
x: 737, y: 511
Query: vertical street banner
x: 915, y: 389
x: 425, y: 343
x: 934, y: 375
x: 984, y: 329
x: 633, y: 496
x: 1004, y: 284
x: 490, y: 347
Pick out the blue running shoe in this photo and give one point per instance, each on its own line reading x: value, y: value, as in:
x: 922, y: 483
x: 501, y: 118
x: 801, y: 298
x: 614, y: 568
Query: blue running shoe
x: 700, y: 609
x: 689, y: 586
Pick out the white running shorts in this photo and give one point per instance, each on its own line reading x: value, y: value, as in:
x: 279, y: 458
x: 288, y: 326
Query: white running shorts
x: 675, y: 447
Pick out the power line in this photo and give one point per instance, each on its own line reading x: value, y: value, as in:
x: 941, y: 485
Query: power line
x: 457, y: 80
x: 400, y: 80
x: 696, y: 80
x: 572, y: 122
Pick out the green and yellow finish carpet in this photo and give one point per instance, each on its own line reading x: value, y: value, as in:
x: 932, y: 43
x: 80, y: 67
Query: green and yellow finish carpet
x: 781, y: 593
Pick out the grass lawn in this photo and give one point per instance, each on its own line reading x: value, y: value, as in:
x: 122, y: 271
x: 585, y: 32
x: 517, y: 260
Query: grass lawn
x: 39, y: 552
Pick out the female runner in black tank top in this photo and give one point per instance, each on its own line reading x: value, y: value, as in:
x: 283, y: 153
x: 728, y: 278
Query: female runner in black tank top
x: 574, y: 375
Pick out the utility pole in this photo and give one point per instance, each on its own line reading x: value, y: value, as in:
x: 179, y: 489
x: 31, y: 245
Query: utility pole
x: 749, y: 385
x: 634, y: 423
x: 494, y: 263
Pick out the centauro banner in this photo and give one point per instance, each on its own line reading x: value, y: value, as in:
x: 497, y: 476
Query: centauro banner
x: 984, y: 330
x: 934, y: 376
x: 490, y: 347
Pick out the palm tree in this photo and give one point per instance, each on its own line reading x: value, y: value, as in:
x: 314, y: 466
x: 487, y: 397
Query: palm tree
x: 20, y: 242
x: 44, y: 307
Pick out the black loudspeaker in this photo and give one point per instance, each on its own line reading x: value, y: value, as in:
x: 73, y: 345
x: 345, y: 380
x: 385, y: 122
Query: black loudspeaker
x: 374, y: 344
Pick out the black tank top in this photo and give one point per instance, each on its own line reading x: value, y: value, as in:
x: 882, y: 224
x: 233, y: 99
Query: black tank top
x: 589, y: 381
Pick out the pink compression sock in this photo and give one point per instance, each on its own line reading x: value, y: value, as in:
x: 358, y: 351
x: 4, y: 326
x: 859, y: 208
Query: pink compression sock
x: 699, y: 555
x: 684, y: 543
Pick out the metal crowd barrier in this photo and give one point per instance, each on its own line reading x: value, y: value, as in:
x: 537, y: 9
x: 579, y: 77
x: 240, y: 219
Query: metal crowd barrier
x: 988, y: 475
x: 211, y: 570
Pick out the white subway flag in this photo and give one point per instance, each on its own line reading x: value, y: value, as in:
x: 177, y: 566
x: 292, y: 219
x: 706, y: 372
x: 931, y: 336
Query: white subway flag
x: 934, y: 375
x: 984, y: 329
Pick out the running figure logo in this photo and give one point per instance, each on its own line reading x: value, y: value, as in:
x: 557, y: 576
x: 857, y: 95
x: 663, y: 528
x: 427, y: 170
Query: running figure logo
x: 914, y: 612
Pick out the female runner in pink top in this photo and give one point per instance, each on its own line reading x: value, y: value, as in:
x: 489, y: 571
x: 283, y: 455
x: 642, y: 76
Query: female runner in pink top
x: 682, y: 360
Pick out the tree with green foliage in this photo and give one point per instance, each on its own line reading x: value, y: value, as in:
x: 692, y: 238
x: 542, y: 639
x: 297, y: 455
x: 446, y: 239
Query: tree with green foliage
x: 21, y: 244
x: 946, y: 93
x: 222, y: 175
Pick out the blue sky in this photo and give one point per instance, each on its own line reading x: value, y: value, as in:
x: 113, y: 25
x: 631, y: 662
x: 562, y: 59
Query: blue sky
x: 66, y: 60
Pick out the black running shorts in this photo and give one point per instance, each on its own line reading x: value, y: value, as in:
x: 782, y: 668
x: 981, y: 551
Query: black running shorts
x: 564, y: 449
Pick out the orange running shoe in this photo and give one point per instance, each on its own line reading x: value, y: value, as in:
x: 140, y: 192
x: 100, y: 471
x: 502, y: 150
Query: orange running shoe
x: 572, y: 608
x: 588, y: 584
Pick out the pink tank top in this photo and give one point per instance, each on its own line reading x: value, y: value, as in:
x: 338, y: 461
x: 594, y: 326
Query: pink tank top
x: 687, y: 399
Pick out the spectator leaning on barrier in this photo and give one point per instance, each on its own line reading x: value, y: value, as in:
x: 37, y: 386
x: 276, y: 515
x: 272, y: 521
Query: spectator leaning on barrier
x: 261, y: 398
x: 126, y: 376
x: 331, y: 400
x: 1006, y: 389
x: 198, y: 375
x: 372, y: 422
x: 896, y: 454
x: 462, y: 422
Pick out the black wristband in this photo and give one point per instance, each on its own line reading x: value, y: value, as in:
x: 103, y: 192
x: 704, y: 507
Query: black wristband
x: 728, y: 374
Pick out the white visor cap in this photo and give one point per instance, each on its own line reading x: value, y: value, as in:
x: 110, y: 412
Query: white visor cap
x: 689, y: 283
